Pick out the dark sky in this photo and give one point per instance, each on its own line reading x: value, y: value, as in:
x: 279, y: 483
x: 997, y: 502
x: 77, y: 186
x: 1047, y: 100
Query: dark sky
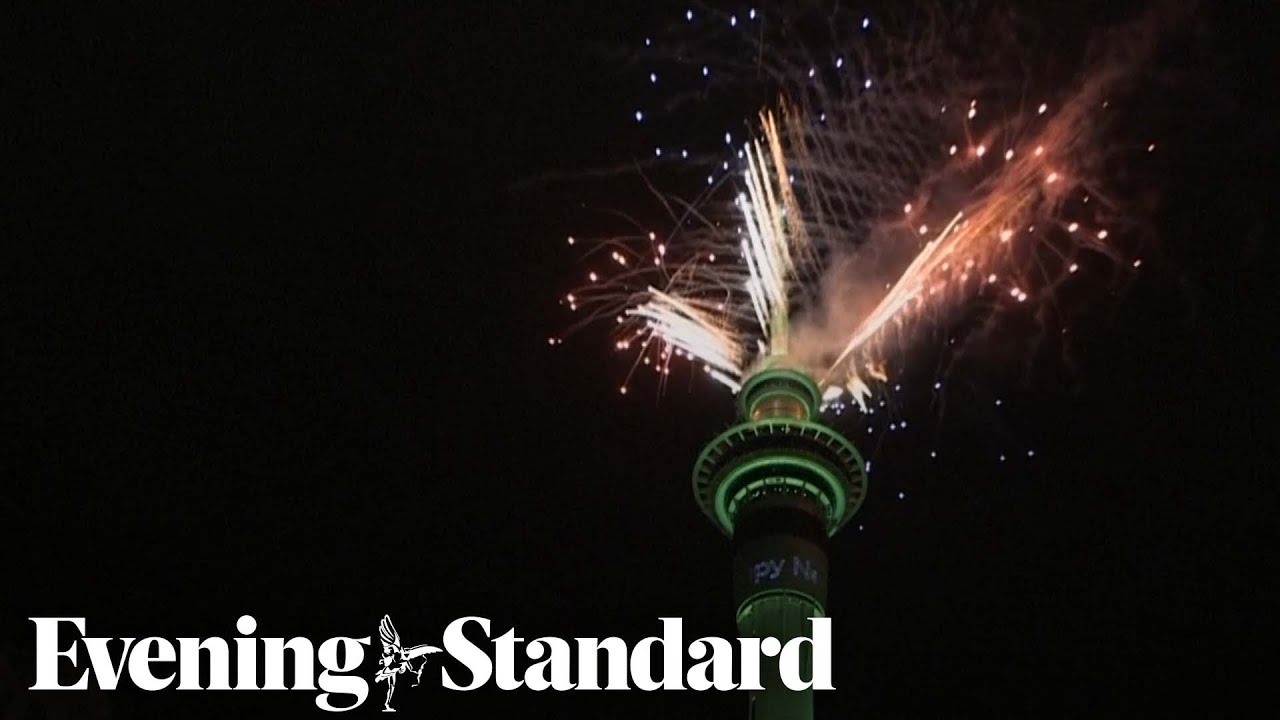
x: 275, y: 303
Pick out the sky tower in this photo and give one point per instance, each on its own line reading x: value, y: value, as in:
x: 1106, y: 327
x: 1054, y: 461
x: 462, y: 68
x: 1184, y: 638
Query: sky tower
x: 779, y: 483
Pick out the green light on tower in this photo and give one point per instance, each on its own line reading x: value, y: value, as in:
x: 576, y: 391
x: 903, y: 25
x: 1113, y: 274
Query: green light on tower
x: 779, y: 483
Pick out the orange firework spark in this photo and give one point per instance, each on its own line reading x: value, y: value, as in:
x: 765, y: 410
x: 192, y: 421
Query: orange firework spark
x: 840, y: 187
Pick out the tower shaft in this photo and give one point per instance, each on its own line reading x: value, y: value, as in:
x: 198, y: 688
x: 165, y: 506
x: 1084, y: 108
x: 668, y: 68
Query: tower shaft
x: 780, y: 582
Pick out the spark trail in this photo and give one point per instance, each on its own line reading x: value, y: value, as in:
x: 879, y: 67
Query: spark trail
x: 865, y: 207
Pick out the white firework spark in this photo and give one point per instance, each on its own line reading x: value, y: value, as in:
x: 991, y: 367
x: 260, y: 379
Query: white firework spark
x: 840, y: 189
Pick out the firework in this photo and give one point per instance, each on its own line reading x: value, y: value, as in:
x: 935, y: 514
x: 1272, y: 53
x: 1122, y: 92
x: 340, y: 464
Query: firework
x: 858, y: 209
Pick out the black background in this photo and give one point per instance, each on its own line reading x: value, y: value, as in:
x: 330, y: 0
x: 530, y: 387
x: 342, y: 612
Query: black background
x: 275, y: 305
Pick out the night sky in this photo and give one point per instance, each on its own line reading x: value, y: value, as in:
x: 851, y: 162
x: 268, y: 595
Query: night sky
x: 277, y: 286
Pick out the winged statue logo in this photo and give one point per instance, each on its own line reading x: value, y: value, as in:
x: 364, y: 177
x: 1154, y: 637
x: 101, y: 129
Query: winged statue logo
x: 398, y: 660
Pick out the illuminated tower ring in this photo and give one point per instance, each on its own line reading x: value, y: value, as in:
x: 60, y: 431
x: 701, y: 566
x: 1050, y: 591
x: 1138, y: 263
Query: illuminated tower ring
x: 779, y: 483
x: 779, y: 450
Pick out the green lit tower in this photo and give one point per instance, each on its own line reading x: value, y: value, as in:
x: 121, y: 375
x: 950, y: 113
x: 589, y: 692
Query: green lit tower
x: 779, y: 483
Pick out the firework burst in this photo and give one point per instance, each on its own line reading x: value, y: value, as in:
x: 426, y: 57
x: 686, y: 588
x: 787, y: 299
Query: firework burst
x: 886, y: 186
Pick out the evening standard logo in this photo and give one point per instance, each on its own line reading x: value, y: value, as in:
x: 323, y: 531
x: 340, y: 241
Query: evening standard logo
x: 67, y: 658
